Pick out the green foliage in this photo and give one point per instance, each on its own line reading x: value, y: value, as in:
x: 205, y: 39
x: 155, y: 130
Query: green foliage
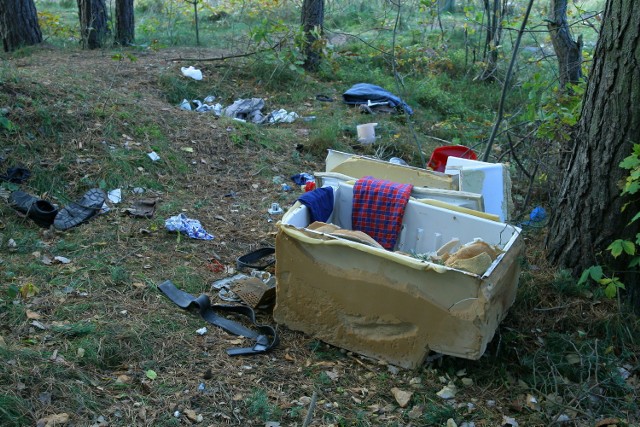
x: 620, y: 247
x: 556, y: 111
x: 260, y: 407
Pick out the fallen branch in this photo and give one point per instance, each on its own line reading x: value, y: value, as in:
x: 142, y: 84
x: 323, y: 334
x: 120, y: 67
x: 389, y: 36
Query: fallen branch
x: 225, y: 57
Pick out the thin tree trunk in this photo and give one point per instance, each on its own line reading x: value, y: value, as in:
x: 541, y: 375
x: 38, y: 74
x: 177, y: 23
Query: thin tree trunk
x: 568, y: 51
x: 312, y: 22
x: 19, y: 24
x: 587, y: 216
x: 125, y: 23
x: 93, y: 23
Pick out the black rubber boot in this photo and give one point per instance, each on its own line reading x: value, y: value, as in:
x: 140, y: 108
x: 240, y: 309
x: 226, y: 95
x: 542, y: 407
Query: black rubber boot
x: 77, y: 212
x: 40, y: 211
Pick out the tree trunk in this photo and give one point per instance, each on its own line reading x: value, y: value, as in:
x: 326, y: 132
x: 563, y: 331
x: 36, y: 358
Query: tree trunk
x: 93, y: 23
x: 587, y: 216
x: 19, y: 24
x: 447, y: 6
x: 312, y: 22
x: 494, y: 11
x: 568, y: 51
x: 125, y: 24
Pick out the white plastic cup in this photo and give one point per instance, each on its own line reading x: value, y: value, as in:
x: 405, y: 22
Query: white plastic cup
x: 367, y: 133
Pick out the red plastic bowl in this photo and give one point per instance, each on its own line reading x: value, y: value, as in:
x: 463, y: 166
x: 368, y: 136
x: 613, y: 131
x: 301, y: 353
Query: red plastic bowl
x: 439, y: 157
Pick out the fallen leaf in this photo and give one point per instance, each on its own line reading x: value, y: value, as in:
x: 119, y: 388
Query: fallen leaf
x: 573, y: 358
x: 123, y: 379
x: 332, y: 374
x: 467, y: 381
x: 38, y: 325
x: 508, y: 421
x: 80, y: 352
x: 607, y: 422
x: 28, y: 290
x: 415, y: 412
x: 401, y: 396
x: 451, y: 423
x: 533, y: 403
x: 192, y: 415
x: 187, y: 149
x: 32, y: 315
x: 53, y: 420
x: 151, y: 374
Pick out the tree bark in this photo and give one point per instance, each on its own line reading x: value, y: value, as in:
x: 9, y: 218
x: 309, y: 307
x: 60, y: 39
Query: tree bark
x: 587, y: 216
x: 19, y: 24
x: 568, y: 51
x: 125, y: 24
x: 494, y: 10
x: 93, y: 23
x: 312, y: 22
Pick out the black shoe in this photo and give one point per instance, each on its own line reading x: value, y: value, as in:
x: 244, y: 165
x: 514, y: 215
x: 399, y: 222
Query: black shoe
x: 40, y: 211
x: 80, y: 211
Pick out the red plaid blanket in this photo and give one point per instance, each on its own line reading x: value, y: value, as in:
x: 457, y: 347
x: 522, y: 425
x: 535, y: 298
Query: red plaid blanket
x: 378, y: 208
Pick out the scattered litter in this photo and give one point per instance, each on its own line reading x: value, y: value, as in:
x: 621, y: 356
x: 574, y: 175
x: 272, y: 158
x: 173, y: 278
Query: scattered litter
x: 192, y: 72
x: 115, y: 196
x: 366, y: 133
x: 302, y: 178
x: 62, y: 260
x: 275, y: 209
x: 323, y: 98
x: 286, y: 187
x: 448, y: 391
x: 246, y: 109
x: 191, y: 227
x: 537, y: 218
x: 308, y: 118
x: 209, y: 99
x: 309, y: 186
x: 278, y: 179
x: 177, y: 414
x: 201, y: 331
x: 138, y: 190
x: 201, y: 387
x: 11, y: 244
x: 153, y: 156
x: 185, y: 105
x: 508, y: 421
x: 374, y: 98
x: 398, y: 161
x: 143, y: 208
x: 282, y: 116
x: 16, y: 175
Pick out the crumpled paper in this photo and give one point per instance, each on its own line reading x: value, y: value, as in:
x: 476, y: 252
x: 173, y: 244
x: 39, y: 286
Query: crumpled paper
x: 188, y: 226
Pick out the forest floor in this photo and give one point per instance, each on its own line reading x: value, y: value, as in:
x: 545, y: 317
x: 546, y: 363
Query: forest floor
x: 93, y: 341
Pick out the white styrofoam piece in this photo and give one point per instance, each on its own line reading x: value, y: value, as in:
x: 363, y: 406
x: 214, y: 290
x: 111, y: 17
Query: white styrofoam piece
x: 489, y: 179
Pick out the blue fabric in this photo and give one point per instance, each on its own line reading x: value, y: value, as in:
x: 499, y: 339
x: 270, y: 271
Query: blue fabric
x: 319, y: 202
x: 360, y: 93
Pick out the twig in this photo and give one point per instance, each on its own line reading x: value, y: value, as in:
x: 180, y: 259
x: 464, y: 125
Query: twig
x: 505, y: 86
x: 312, y: 405
x: 223, y: 57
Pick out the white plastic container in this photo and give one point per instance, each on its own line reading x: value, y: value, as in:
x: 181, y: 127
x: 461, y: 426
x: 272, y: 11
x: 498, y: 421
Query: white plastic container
x: 367, y: 133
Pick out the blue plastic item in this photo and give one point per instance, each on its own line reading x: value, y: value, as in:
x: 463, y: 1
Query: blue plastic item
x: 366, y: 93
x: 188, y: 226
